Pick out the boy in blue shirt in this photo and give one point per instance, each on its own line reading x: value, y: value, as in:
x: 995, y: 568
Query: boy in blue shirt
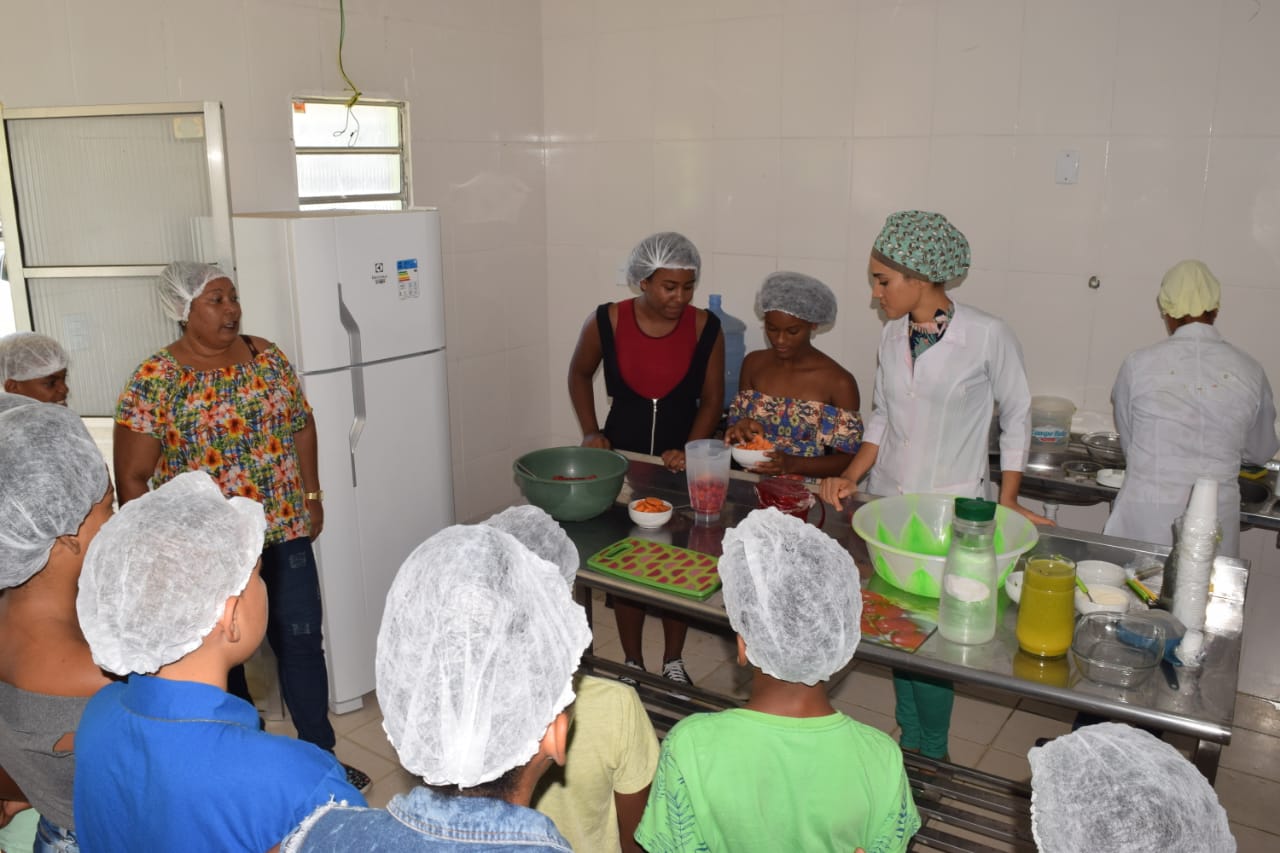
x: 168, y: 760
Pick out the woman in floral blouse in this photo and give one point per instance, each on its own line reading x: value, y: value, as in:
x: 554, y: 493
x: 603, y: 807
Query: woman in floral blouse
x: 793, y: 394
x: 230, y: 404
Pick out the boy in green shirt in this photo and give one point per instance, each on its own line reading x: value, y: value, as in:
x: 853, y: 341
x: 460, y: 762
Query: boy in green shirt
x: 788, y: 771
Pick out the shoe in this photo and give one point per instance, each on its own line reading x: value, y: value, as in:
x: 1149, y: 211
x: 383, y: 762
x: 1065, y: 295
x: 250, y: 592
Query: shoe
x: 357, y: 779
x: 631, y: 682
x: 673, y: 670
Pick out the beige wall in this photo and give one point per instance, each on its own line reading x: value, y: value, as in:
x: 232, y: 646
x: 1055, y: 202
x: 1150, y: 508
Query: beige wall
x: 472, y: 74
x: 779, y: 133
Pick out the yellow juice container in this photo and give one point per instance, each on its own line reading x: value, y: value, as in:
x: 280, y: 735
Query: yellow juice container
x: 1055, y: 672
x: 1046, y: 612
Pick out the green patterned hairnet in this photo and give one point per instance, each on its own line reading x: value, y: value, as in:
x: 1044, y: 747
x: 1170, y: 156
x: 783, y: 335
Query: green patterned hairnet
x: 925, y: 243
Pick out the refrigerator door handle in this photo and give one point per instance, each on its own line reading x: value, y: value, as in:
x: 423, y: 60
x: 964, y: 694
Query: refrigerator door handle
x: 357, y: 380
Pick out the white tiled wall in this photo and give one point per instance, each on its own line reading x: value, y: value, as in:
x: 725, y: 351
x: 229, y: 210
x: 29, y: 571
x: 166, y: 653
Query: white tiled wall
x: 471, y: 71
x: 779, y: 133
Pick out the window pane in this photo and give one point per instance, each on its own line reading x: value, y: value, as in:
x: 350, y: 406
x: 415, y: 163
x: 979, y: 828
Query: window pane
x: 356, y: 205
x: 317, y: 125
x: 87, y: 190
x: 107, y: 326
x: 347, y: 174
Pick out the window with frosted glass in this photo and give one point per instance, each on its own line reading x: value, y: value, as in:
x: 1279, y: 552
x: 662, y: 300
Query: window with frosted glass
x: 109, y: 190
x: 350, y: 157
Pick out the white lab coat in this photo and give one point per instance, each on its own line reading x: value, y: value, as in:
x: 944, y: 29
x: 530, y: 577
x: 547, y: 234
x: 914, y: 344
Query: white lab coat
x: 931, y: 419
x: 1190, y: 406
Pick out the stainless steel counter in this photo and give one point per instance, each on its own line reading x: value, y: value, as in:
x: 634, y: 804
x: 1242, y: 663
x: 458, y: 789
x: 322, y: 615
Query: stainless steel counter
x: 1046, y: 480
x: 1201, y: 707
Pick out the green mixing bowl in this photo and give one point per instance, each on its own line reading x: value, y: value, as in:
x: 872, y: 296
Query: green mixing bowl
x: 908, y: 537
x: 591, y: 480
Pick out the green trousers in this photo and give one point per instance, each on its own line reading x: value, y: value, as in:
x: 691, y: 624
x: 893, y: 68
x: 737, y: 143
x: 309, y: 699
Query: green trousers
x: 923, y: 710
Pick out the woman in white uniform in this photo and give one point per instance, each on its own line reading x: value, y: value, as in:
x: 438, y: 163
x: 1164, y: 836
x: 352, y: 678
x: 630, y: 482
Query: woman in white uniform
x: 1187, y: 407
x: 941, y: 367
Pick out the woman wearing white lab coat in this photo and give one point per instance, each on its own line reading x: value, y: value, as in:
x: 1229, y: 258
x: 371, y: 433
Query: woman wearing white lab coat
x: 941, y: 367
x: 1187, y: 407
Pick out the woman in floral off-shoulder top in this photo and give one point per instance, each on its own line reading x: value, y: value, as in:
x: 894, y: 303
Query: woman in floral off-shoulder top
x: 793, y: 394
x: 230, y: 404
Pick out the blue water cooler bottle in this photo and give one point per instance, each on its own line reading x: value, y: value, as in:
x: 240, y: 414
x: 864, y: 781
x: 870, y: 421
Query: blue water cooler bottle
x: 735, y: 347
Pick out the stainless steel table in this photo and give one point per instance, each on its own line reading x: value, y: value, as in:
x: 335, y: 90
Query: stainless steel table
x: 1202, y: 706
x: 1047, y: 480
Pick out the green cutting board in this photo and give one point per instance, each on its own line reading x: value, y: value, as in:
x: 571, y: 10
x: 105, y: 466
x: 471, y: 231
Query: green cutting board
x: 666, y: 567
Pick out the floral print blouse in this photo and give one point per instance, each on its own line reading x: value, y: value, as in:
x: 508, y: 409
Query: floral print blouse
x: 235, y: 422
x: 799, y: 427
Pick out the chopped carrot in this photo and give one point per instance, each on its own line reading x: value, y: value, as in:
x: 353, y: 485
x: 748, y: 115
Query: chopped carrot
x: 651, y: 505
x: 757, y: 442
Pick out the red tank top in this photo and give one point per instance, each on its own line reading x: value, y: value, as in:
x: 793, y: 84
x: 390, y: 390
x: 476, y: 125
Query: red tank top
x: 653, y: 367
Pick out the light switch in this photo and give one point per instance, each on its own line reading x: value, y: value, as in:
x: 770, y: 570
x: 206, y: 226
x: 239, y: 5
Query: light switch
x: 1067, y: 168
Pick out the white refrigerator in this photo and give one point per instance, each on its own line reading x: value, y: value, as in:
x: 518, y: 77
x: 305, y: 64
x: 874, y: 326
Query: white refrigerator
x: 356, y: 302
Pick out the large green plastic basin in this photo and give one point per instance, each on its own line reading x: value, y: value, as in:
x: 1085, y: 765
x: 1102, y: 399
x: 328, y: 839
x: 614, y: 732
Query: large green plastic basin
x: 571, y: 499
x: 908, y: 537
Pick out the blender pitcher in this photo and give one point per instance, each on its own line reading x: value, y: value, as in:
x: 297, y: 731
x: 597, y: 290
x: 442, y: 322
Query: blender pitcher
x: 706, y: 464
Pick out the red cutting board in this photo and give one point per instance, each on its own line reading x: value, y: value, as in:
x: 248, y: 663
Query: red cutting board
x: 666, y: 567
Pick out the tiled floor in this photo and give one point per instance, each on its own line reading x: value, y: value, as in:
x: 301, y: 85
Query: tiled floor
x: 989, y: 731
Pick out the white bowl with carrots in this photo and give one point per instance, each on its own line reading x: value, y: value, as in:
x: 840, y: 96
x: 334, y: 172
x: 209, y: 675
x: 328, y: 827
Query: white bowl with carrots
x: 650, y: 512
x: 751, y: 453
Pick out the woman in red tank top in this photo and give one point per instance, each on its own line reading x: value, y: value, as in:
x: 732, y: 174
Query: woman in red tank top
x: 663, y: 358
x: 664, y: 369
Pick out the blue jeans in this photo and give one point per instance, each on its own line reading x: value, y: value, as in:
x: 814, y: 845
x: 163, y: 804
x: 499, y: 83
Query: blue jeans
x: 54, y: 839
x: 424, y: 819
x: 294, y: 631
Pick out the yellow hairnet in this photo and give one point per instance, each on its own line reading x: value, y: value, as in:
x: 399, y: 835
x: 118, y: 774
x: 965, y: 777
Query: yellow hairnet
x: 1189, y: 290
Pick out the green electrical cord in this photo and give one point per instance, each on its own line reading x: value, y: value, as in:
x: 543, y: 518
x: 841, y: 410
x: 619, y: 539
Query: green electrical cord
x: 342, y: 37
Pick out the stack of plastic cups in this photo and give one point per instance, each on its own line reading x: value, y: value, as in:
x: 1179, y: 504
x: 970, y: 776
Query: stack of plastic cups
x: 1197, y: 545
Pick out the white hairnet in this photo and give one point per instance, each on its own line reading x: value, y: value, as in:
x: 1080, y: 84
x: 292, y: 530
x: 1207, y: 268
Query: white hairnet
x: 51, y: 475
x: 1189, y: 290
x: 792, y: 594
x: 183, y: 281
x: 476, y: 655
x: 666, y: 250
x: 1113, y: 787
x: 159, y: 573
x: 28, y: 355
x: 535, y: 529
x: 799, y: 295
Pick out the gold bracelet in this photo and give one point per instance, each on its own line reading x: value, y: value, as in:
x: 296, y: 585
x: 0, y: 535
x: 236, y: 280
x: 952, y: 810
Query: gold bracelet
x: 317, y: 495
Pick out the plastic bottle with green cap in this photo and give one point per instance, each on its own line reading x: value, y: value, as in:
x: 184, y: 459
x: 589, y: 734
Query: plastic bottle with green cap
x: 967, y: 606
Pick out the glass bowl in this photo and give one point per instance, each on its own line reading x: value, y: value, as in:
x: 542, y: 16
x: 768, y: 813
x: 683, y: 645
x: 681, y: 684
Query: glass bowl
x: 1117, y: 648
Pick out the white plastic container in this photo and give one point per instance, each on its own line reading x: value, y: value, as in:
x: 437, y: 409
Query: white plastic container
x: 1051, y: 424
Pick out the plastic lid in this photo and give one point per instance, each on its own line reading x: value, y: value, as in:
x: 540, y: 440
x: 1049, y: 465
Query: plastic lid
x: 713, y: 300
x: 1052, y: 404
x: 975, y: 509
